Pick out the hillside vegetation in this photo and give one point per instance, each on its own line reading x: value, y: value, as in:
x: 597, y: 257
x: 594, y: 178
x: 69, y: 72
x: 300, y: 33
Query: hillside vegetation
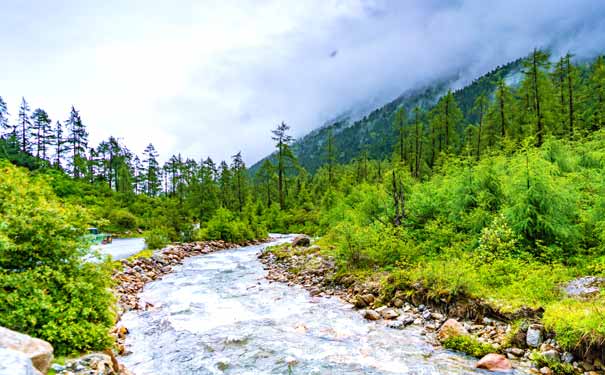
x: 493, y: 192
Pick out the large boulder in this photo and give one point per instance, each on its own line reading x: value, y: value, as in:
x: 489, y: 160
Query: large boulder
x: 494, y: 362
x: 451, y: 328
x: 13, y: 362
x: 301, y: 240
x: 38, y: 351
x: 371, y: 315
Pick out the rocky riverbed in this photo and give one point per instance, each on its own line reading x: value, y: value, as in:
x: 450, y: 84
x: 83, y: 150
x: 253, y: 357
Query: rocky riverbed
x: 514, y: 346
x: 130, y: 279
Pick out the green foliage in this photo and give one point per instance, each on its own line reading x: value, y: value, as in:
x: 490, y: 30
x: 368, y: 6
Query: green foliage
x: 469, y: 345
x: 225, y: 226
x: 157, y: 238
x: 557, y: 367
x: 48, y: 290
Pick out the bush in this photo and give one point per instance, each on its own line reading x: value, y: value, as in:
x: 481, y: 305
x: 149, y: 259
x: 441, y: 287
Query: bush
x: 122, y: 220
x: 157, y: 238
x: 47, y: 290
x: 469, y: 345
x: 225, y: 226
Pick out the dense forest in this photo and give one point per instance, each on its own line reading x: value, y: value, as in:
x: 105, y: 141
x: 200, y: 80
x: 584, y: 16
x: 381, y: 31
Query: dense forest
x: 496, y: 192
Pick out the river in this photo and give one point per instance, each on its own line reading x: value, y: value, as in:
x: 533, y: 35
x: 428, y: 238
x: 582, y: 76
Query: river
x: 216, y: 314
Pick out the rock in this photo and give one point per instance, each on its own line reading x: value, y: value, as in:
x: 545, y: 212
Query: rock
x: 397, y: 302
x: 13, y: 362
x: 451, y: 328
x: 584, y: 287
x: 533, y: 337
x: 359, y: 302
x: 302, y: 240
x: 567, y: 357
x: 545, y: 371
x: 552, y: 355
x: 389, y: 314
x: 494, y: 362
x: 371, y: 315
x: 517, y: 352
x: 426, y: 315
x: 368, y: 298
x: 38, y: 351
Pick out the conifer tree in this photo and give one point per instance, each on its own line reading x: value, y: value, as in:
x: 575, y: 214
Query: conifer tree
x: 5, y: 127
x: 280, y: 135
x: 24, y: 126
x: 596, y: 86
x: 59, y: 143
x: 330, y: 157
x: 152, y: 171
x: 480, y: 108
x: 77, y: 143
x: 238, y: 170
x: 40, y: 132
x: 399, y: 124
x: 537, y: 85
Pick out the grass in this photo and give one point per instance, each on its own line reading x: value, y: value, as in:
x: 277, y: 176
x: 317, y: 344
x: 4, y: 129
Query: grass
x: 469, y: 345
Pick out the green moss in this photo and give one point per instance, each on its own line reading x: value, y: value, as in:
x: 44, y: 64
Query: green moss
x: 469, y: 345
x: 557, y: 368
x: 577, y: 323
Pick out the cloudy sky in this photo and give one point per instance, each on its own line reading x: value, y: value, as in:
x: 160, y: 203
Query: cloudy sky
x: 212, y: 77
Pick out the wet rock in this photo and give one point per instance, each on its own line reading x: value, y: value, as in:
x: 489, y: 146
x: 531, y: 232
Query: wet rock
x: 359, y: 302
x: 494, y: 362
x: 545, y: 371
x: 38, y: 351
x: 13, y: 362
x: 534, y: 336
x: 552, y: 355
x: 371, y: 315
x: 397, y: 302
x: 389, y: 314
x: 584, y: 287
x: 426, y: 315
x: 567, y: 357
x: 302, y: 240
x: 368, y: 299
x: 451, y: 328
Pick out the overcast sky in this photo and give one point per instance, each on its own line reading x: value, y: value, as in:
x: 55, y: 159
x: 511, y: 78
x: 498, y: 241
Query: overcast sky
x: 214, y: 77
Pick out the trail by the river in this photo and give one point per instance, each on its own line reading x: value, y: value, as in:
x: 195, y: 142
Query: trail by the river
x: 216, y: 314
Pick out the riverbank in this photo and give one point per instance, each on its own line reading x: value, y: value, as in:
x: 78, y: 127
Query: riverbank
x: 130, y: 277
x: 518, y: 335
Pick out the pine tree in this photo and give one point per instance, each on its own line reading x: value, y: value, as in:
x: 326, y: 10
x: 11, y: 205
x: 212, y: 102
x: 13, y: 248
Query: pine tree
x: 40, y: 132
x: 59, y: 142
x: 538, y: 90
x: 419, y: 130
x: 224, y: 182
x: 24, y: 126
x: 5, y: 127
x: 152, y: 171
x: 77, y: 143
x: 238, y: 170
x: 265, y: 176
x: 283, y: 141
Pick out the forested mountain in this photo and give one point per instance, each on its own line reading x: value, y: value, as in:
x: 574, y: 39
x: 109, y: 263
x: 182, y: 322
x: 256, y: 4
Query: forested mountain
x: 375, y: 134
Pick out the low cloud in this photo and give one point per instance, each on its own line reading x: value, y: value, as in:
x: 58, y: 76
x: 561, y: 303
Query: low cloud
x: 213, y: 78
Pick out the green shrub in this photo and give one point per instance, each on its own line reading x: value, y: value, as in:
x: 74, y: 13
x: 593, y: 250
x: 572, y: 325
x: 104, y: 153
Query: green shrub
x: 557, y: 367
x: 225, y: 226
x: 469, y: 345
x: 157, y: 238
x: 47, y: 290
x: 122, y: 220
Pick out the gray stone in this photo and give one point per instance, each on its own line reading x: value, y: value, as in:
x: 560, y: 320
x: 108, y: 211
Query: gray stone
x: 13, y: 362
x: 584, y: 287
x: 552, y: 355
x: 567, y: 357
x: 302, y: 240
x: 534, y: 336
x: 371, y: 315
x: 38, y: 351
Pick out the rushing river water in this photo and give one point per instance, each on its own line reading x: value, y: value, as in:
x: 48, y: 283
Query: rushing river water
x: 216, y: 314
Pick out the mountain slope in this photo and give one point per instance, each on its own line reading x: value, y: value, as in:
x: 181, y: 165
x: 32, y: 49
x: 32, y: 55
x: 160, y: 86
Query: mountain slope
x: 374, y: 132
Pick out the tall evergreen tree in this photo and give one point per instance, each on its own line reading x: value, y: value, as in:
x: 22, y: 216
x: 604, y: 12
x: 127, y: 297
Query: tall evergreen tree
x: 5, y: 127
x: 24, y: 126
x: 152, y: 171
x: 282, y: 139
x: 238, y: 170
x: 77, y: 143
x: 537, y: 85
x: 399, y: 124
x: 41, y: 132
